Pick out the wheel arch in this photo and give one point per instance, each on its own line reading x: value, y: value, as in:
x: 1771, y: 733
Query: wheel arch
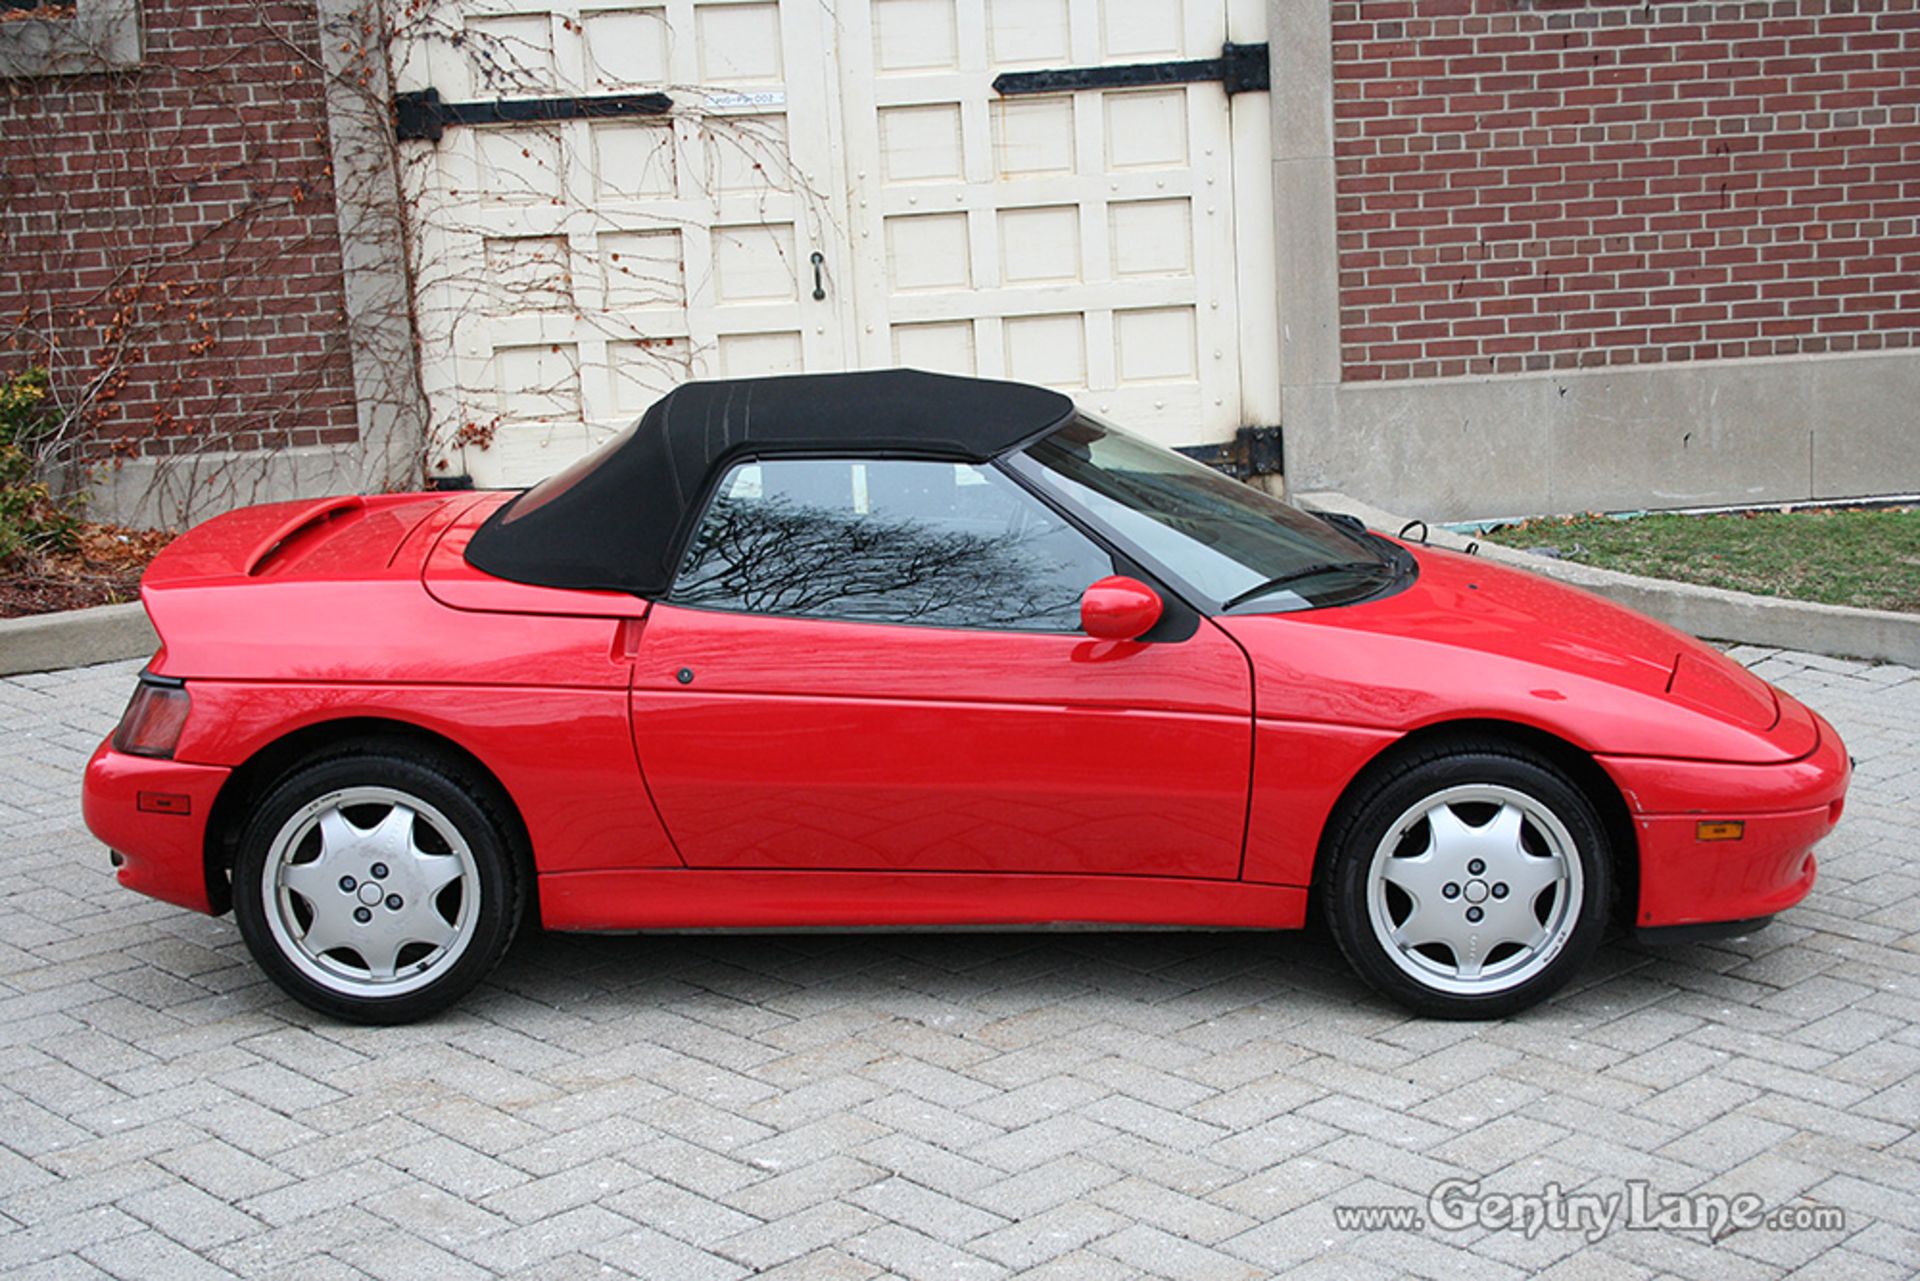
x: 1579, y: 765
x: 257, y: 775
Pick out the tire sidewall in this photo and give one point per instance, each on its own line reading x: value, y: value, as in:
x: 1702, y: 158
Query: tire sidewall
x: 495, y: 914
x: 1365, y: 825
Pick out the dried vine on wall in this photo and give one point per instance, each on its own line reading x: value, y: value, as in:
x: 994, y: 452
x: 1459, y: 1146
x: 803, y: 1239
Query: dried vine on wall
x: 172, y: 260
x: 468, y: 266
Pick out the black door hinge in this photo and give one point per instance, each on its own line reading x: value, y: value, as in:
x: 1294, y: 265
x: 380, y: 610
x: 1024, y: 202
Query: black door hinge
x: 1240, y: 67
x: 1253, y: 451
x: 419, y: 113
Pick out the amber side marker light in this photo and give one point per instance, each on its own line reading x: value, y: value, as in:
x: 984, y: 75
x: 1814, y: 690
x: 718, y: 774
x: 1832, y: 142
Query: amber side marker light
x: 155, y: 716
x: 163, y: 803
x: 1722, y: 831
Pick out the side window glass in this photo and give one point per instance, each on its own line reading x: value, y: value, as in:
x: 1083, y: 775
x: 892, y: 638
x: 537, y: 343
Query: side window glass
x: 883, y: 541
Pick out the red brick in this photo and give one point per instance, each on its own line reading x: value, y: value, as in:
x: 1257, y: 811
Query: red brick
x: 161, y: 197
x: 1675, y: 176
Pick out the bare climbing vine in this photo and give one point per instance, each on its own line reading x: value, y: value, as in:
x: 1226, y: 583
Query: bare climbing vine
x: 499, y: 216
x: 201, y: 323
x: 148, y: 270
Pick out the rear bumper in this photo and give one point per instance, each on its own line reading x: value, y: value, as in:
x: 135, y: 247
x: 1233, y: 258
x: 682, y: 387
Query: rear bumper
x: 153, y: 814
x: 1786, y: 808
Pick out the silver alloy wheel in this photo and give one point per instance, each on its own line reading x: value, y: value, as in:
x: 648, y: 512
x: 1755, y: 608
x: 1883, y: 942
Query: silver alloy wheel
x: 1475, y: 908
x: 362, y: 908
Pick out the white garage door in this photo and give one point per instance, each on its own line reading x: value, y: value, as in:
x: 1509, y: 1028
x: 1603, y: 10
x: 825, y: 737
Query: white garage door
x: 834, y: 187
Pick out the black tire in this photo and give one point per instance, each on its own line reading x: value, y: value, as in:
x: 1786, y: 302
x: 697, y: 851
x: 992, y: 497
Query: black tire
x: 1425, y: 881
x: 374, y: 888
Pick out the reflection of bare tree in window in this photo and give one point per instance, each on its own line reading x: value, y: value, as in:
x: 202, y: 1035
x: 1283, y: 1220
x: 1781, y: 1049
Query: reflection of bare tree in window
x: 775, y: 556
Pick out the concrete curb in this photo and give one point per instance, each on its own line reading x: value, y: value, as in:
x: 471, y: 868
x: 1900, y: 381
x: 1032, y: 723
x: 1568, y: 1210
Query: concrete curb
x: 1877, y: 634
x: 75, y: 638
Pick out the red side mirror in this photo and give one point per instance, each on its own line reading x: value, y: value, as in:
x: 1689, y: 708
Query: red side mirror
x: 1119, y: 609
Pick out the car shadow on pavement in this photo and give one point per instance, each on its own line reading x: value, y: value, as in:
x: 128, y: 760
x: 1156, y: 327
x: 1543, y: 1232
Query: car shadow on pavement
x: 973, y: 977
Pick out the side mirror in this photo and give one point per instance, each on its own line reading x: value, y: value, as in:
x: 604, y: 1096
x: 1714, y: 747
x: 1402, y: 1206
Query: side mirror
x: 1119, y: 608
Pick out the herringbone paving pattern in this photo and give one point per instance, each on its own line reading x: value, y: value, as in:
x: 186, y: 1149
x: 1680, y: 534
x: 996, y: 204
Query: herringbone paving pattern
x: 964, y: 1105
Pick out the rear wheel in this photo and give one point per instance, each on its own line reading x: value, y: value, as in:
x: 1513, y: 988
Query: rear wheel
x: 377, y: 886
x: 1469, y: 883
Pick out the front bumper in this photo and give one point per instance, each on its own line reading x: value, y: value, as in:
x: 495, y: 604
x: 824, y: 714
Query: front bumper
x: 153, y: 814
x: 1787, y: 809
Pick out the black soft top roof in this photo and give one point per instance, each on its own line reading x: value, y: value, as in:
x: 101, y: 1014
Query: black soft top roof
x: 618, y: 519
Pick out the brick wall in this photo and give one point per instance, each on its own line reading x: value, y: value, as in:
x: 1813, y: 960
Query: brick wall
x: 167, y: 239
x: 1567, y: 183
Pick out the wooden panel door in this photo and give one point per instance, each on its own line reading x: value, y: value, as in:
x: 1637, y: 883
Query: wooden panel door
x: 568, y: 273
x: 1081, y: 240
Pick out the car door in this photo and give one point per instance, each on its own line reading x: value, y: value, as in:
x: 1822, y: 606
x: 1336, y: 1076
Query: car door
x: 876, y: 664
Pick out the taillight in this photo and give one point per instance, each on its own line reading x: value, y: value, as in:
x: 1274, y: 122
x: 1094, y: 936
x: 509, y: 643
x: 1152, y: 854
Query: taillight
x: 153, y: 720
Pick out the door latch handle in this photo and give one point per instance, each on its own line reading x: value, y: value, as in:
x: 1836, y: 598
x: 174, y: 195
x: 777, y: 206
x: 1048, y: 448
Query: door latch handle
x: 819, y: 284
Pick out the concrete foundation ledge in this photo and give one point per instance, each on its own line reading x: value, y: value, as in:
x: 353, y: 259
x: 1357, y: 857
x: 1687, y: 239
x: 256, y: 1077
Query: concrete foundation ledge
x: 75, y: 638
x: 1876, y: 634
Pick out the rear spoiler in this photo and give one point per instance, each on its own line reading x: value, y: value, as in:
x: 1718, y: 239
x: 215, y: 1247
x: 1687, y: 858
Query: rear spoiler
x: 301, y: 524
x: 241, y: 544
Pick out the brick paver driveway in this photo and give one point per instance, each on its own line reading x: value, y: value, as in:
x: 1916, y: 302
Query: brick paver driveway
x: 1188, y: 1105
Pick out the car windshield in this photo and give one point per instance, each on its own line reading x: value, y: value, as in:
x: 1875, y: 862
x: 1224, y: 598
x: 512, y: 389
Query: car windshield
x: 1229, y: 541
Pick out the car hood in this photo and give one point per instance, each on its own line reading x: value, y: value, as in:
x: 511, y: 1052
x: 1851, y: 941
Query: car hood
x: 1471, y: 639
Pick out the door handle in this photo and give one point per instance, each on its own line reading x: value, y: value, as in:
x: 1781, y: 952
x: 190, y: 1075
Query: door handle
x: 819, y: 283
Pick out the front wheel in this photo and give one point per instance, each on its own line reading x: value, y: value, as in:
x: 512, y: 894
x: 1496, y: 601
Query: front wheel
x: 1469, y: 883
x: 377, y: 886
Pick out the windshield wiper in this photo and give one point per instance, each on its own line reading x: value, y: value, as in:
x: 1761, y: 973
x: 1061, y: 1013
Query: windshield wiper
x: 1309, y: 571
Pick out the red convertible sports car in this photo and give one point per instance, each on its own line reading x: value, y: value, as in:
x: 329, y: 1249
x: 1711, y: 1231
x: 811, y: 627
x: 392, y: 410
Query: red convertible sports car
x: 902, y: 649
